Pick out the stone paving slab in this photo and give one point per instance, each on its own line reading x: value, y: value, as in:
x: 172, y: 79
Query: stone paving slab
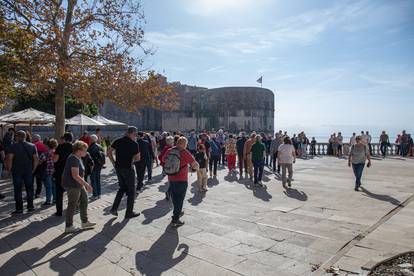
x: 234, y: 229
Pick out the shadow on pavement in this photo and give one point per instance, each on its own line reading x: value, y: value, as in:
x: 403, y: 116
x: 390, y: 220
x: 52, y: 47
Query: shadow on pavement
x: 160, y: 209
x: 159, y: 258
x: 197, y: 195
x: 387, y: 198
x: 294, y: 193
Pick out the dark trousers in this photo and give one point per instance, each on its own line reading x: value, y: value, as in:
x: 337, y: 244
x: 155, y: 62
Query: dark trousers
x: 178, y: 190
x: 242, y: 164
x: 96, y: 181
x: 148, y: 163
x: 223, y: 156
x: 38, y: 175
x: 258, y: 170
x: 140, y: 169
x: 384, y: 146
x: 274, y: 160
x: 370, y: 149
x: 59, y: 193
x: 312, y: 150
x: 358, y: 169
x: 126, y: 179
x: 212, y: 163
x: 19, y: 178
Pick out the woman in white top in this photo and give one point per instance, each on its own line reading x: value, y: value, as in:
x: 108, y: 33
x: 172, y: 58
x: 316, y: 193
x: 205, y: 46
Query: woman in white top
x: 286, y: 157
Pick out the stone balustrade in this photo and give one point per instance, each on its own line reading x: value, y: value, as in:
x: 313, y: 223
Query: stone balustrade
x: 322, y: 149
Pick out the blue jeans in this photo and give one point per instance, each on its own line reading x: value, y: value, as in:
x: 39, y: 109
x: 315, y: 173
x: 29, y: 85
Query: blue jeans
x: 358, y: 169
x: 258, y: 170
x: 96, y: 181
x: 48, y: 181
x: 25, y: 176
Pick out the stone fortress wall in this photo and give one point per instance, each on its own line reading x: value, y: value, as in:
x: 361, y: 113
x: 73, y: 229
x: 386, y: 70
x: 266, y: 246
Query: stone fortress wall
x: 231, y: 108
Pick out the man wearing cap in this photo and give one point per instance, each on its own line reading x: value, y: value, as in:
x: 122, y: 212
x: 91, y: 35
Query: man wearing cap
x: 22, y: 160
x: 126, y: 152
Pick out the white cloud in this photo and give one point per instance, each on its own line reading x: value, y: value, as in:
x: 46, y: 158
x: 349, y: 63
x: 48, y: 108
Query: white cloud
x: 216, y: 7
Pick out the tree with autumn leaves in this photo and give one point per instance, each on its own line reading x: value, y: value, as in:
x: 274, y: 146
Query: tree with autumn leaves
x: 90, y: 50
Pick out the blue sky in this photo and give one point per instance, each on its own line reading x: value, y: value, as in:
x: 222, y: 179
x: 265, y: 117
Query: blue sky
x: 333, y: 65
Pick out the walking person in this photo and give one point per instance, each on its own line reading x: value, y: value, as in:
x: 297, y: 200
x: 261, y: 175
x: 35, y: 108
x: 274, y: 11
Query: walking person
x: 76, y: 187
x: 241, y: 140
x: 358, y: 155
x: 201, y: 158
x: 169, y: 143
x: 313, y: 146
x: 176, y: 166
x: 384, y: 142
x: 404, y: 139
x: 369, y: 140
x: 46, y: 158
x: 98, y: 156
x: 126, y: 152
x: 286, y: 158
x: 146, y: 155
x: 247, y: 151
x: 231, y: 153
x: 352, y: 140
x: 274, y: 147
x: 22, y: 160
x: 258, y: 152
x: 335, y: 145
x: 62, y: 153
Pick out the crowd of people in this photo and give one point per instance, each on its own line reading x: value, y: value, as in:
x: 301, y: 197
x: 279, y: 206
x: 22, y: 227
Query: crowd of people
x: 74, y: 167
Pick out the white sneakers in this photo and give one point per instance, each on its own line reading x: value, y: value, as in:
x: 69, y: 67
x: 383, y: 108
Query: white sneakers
x: 73, y: 229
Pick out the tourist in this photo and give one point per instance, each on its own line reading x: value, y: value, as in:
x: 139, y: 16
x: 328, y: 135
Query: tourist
x: 352, y: 141
x: 76, y: 187
x: 62, y: 152
x: 215, y: 154
x: 295, y: 143
x: 85, y: 138
x: 258, y: 152
x: 161, y: 142
x: 146, y: 155
x: 126, y: 152
x: 313, y: 146
x: 286, y: 158
x: 204, y: 140
x: 192, y: 142
x: 201, y: 158
x: 410, y: 145
x: 241, y: 140
x: 398, y: 145
x: 46, y: 160
x: 169, y: 143
x: 274, y: 147
x: 369, y: 139
x: 41, y: 168
x: 384, y: 143
x: 247, y: 151
x: 364, y: 138
x: 179, y: 178
x: 221, y: 140
x: 2, y: 161
x: 404, y: 143
x: 335, y: 145
x: 98, y: 156
x: 231, y: 152
x: 8, y: 139
x: 153, y: 139
x: 340, y: 144
x: 22, y: 160
x: 89, y: 165
x: 358, y: 154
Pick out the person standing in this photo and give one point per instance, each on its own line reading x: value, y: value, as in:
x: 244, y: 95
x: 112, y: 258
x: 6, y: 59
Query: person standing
x: 22, y: 160
x: 398, y: 145
x: 126, y: 152
x: 192, y: 142
x: 215, y: 153
x: 240, y: 156
x: 404, y: 143
x: 384, y: 142
x: 247, y: 151
x: 98, y: 156
x: 145, y: 154
x: 352, y: 141
x: 39, y: 174
x: 358, y: 155
x: 221, y: 140
x: 286, y: 158
x: 231, y: 152
x: 335, y: 145
x: 201, y: 158
x: 274, y: 147
x: 313, y: 147
x: 8, y: 139
x: 153, y: 139
x: 46, y: 158
x: 258, y: 151
x: 369, y: 140
x: 179, y: 157
x: 340, y: 144
x: 76, y: 187
x: 62, y: 153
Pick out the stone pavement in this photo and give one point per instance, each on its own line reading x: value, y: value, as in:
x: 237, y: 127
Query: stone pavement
x: 233, y: 230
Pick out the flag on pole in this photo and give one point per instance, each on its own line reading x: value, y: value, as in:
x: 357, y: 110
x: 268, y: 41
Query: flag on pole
x: 260, y: 80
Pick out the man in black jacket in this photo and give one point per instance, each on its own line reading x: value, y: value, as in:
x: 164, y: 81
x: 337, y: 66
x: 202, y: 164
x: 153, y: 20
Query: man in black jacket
x: 147, y: 154
x: 98, y: 157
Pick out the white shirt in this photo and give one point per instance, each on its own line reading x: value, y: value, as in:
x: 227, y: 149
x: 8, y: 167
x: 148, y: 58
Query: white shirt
x: 286, y: 152
x: 353, y: 140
